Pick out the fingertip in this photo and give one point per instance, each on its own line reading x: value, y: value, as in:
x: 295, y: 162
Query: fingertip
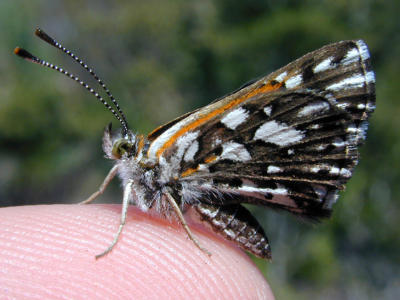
x: 58, y: 243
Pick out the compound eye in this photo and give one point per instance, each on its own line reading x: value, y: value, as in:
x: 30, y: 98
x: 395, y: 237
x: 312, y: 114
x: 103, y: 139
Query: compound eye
x: 121, y: 147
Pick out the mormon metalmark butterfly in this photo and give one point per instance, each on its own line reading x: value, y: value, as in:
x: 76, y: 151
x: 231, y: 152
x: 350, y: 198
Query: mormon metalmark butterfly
x: 288, y: 141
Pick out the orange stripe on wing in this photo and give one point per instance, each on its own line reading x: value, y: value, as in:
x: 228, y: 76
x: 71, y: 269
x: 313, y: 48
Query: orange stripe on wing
x: 263, y: 89
x: 189, y: 171
x: 140, y: 144
x: 210, y: 159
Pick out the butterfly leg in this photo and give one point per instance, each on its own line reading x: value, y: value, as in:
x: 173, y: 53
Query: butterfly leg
x: 181, y: 218
x: 236, y: 223
x: 103, y: 186
x: 125, y: 204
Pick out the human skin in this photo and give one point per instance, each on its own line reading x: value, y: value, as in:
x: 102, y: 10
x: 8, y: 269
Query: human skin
x: 47, y: 251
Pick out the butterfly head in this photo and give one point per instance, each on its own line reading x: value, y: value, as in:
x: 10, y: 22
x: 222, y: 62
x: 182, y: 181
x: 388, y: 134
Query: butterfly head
x: 122, y: 147
x: 117, y: 145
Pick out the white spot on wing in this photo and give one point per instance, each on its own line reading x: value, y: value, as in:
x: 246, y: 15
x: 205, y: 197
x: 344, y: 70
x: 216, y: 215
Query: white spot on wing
x: 324, y: 65
x: 334, y: 171
x: 278, y: 133
x: 343, y: 105
x: 159, y: 142
x: 315, y: 169
x: 230, y: 233
x: 345, y: 172
x: 357, y: 81
x: 216, y: 142
x: 209, y: 213
x: 281, y: 77
x: 191, y: 151
x: 351, y: 57
x: 352, y: 129
x: 170, y: 169
x: 370, y: 77
x: 268, y: 110
x: 203, y: 168
x: 218, y: 222
x: 184, y: 142
x: 234, y: 118
x: 294, y: 81
x: 251, y: 189
x: 273, y: 169
x: 370, y: 107
x: 235, y: 151
x: 312, y: 108
x: 364, y: 53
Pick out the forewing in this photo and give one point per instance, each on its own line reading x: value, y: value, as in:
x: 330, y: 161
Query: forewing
x: 289, y: 140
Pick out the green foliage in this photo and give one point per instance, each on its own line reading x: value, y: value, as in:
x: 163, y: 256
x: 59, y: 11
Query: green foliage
x: 163, y: 58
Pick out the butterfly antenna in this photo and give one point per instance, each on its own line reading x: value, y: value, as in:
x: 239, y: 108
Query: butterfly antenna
x: 45, y: 37
x: 30, y: 57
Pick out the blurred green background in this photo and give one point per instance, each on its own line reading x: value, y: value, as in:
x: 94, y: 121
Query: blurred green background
x: 164, y: 58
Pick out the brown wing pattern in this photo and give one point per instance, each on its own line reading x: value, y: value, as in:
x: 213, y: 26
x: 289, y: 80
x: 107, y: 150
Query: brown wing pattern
x: 288, y: 140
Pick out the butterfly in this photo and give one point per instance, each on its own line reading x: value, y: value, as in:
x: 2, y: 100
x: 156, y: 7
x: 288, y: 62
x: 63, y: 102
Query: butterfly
x: 288, y: 141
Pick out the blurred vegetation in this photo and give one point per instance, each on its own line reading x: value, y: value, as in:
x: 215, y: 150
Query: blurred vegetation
x: 164, y: 58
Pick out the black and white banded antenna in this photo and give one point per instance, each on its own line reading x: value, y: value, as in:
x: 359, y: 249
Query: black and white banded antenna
x: 30, y: 57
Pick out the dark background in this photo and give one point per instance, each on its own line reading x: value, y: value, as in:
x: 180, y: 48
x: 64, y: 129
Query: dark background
x: 164, y: 58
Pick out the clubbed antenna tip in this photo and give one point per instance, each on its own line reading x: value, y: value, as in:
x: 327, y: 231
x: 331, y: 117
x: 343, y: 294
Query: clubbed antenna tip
x: 25, y: 54
x: 44, y: 36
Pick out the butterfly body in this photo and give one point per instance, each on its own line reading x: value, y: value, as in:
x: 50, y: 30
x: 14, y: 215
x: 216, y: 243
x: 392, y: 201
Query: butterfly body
x: 288, y: 141
x: 147, y: 185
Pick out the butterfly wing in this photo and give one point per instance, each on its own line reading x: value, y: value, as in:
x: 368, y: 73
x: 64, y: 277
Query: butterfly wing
x: 288, y: 140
